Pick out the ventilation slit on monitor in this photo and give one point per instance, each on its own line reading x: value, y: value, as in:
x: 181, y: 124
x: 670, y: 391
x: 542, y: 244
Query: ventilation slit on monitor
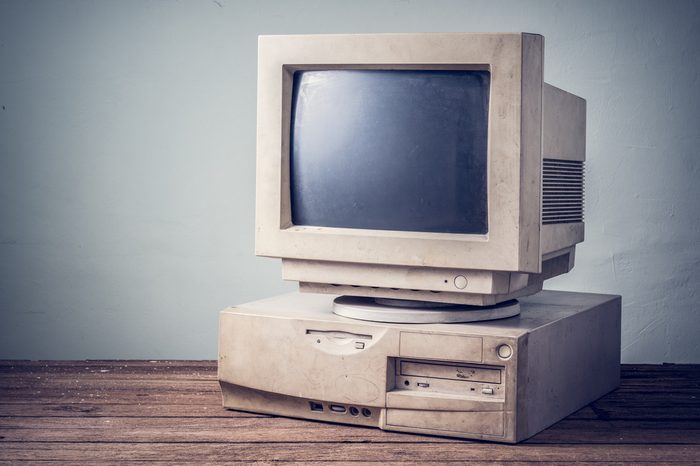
x: 562, y: 191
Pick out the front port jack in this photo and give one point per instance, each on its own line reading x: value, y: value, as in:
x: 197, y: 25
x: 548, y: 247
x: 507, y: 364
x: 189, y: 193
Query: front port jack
x: 337, y: 408
x: 354, y: 411
x: 314, y: 406
x: 366, y: 412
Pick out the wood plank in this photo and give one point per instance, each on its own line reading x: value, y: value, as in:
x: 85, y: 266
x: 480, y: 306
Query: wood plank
x: 112, y: 397
x: 132, y: 363
x: 18, y: 390
x: 169, y: 368
x: 87, y: 409
x: 603, y: 411
x: 422, y: 453
x: 113, y: 386
x: 273, y: 429
x: 121, y: 429
x: 62, y: 408
x: 638, y: 406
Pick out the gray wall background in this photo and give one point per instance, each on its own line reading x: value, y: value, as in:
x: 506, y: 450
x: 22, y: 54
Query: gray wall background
x: 127, y: 157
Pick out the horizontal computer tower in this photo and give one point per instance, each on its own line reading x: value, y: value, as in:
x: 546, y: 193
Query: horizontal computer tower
x: 502, y: 381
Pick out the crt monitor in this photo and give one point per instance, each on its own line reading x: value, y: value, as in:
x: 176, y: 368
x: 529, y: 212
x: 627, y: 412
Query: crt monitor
x: 421, y: 167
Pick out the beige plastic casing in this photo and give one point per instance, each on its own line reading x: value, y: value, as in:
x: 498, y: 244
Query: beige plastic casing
x: 279, y: 355
x: 527, y: 119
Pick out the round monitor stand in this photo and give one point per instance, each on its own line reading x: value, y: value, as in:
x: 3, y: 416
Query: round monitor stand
x: 419, y: 312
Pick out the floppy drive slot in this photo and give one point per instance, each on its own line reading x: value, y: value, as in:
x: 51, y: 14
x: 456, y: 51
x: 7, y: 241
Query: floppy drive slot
x: 339, y: 334
x: 467, y: 373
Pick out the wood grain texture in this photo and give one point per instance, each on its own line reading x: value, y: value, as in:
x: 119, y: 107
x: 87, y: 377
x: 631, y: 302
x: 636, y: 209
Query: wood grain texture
x: 169, y: 412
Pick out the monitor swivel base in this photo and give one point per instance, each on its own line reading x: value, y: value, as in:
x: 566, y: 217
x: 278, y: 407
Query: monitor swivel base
x: 419, y: 312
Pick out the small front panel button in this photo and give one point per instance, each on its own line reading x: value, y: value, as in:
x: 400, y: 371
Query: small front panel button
x: 487, y: 391
x: 504, y: 351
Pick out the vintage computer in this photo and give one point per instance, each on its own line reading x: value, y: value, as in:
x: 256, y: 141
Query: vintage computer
x: 420, y: 188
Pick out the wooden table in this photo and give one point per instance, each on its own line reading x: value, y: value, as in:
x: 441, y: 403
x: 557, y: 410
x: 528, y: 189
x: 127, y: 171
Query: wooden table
x: 84, y: 412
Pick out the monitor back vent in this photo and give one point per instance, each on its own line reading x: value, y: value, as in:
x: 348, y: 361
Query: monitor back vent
x: 562, y: 191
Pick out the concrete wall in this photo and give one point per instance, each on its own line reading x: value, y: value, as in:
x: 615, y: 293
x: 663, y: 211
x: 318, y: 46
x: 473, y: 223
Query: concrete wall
x: 127, y: 146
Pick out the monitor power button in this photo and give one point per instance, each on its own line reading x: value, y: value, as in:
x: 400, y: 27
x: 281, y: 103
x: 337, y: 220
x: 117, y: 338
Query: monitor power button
x: 461, y: 282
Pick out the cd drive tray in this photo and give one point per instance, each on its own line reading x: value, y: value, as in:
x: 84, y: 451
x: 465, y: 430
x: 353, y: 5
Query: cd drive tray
x: 434, y: 370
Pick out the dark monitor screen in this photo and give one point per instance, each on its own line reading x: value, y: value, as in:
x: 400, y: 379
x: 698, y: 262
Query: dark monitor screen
x: 390, y: 150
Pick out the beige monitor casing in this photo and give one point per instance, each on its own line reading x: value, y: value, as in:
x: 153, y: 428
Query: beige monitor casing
x: 502, y: 380
x: 530, y: 236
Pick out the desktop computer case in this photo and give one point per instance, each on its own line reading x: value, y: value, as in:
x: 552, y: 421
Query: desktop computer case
x: 501, y: 380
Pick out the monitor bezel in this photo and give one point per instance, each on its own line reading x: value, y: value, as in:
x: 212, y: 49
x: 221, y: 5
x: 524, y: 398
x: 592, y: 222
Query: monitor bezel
x: 513, y: 159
